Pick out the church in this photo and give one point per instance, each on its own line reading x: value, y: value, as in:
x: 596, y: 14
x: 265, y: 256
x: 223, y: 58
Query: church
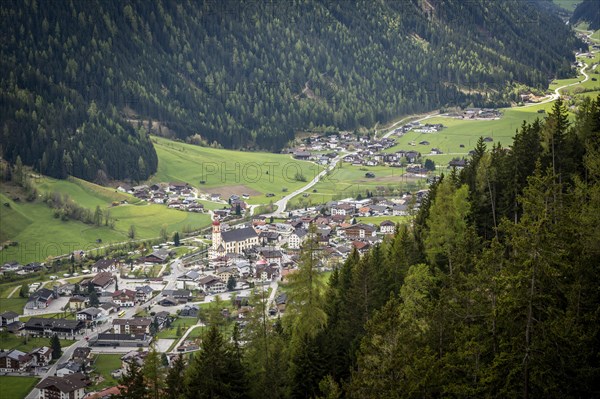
x: 234, y: 241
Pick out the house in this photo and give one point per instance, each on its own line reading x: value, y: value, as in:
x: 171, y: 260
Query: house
x: 343, y: 209
x: 168, y: 301
x: 162, y: 319
x: 360, y: 230
x: 158, y: 256
x: 301, y: 155
x: 272, y: 256
x: 124, y: 298
x: 105, y: 265
x: 212, y: 284
x: 67, y: 387
x: 265, y: 272
x: 90, y: 314
x: 281, y: 302
x: 134, y: 326
x: 190, y: 311
x: 102, y: 280
x: 297, y: 238
x: 82, y: 355
x: 77, y: 302
x: 41, y: 356
x: 38, y: 326
x: 387, y: 227
x: 7, y: 318
x: 14, y: 360
x: 182, y: 296
x: 68, y: 368
x: 400, y: 210
x: 144, y: 293
x: 40, y: 299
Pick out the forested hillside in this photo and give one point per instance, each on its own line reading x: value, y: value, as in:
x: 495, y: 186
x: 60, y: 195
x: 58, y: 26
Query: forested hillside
x: 492, y: 292
x: 249, y: 73
x: 587, y: 11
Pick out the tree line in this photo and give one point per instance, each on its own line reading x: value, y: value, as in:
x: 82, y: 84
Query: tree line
x: 491, y: 292
x: 78, y: 80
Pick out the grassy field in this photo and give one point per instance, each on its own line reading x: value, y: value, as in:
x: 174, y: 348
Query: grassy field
x: 182, y: 322
x: 10, y: 341
x: 569, y: 5
x: 230, y: 172
x: 14, y: 304
x: 16, y: 387
x: 103, y: 365
x: 40, y: 235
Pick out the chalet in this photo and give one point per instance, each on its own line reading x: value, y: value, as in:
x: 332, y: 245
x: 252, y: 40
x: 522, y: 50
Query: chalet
x: 387, y: 227
x: 102, y: 280
x: 212, y: 284
x: 269, y: 237
x: 265, y: 272
x: 7, y: 318
x: 182, y: 296
x: 78, y: 302
x: 361, y: 246
x: 190, y: 311
x: 272, y: 256
x: 90, y: 314
x: 281, y: 302
x: 343, y: 209
x: 297, y: 238
x: 71, y: 386
x: 124, y: 298
x: 162, y: 319
x: 38, y: 326
x: 360, y: 230
x: 40, y: 299
x: 105, y: 265
x: 158, y: 256
x: 41, y: 356
x: 134, y: 326
x: 400, y: 210
x: 68, y: 368
x: 302, y: 155
x: 225, y: 273
x: 168, y: 301
x: 82, y: 355
x: 144, y: 293
x: 457, y: 163
x: 14, y: 360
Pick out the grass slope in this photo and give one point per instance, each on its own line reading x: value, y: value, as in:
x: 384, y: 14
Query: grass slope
x: 257, y: 172
x: 16, y: 387
x: 103, y: 365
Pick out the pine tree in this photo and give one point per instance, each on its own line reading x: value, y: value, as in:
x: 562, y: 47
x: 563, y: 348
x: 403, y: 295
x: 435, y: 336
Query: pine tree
x: 56, y: 347
x: 152, y: 372
x: 174, y: 379
x: 176, y: 241
x: 131, y: 384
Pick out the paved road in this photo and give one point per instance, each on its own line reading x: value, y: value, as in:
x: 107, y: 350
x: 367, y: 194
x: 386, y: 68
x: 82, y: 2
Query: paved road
x: 282, y: 203
x: 401, y: 121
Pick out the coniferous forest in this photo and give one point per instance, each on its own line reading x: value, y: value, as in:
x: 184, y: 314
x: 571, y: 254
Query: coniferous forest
x: 82, y: 82
x: 492, y: 292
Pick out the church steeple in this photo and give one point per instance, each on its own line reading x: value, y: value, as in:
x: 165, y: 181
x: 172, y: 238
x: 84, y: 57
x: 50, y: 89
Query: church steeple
x: 216, y: 234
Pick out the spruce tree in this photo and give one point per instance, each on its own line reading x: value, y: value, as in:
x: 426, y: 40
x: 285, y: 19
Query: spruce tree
x: 56, y: 347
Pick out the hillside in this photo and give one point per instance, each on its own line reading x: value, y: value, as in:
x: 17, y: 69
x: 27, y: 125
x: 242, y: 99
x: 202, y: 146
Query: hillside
x: 246, y: 75
x: 587, y: 11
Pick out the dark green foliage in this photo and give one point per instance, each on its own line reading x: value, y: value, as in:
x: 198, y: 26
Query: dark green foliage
x: 131, y: 384
x: 231, y: 283
x: 176, y: 240
x: 84, y: 83
x: 211, y: 371
x: 587, y: 11
x: 56, y: 347
x: 174, y: 386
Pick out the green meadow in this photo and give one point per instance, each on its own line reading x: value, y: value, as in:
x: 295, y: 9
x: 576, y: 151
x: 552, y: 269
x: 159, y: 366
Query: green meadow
x: 16, y: 387
x: 230, y: 172
x: 40, y: 235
